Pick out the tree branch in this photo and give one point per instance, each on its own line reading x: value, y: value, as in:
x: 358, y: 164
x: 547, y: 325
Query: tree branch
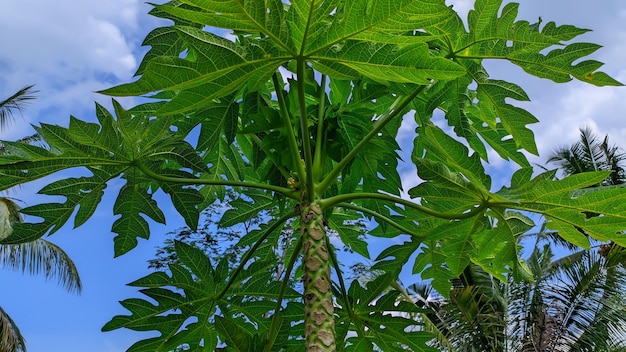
x: 273, y: 331
x: 304, y: 130
x: 382, y: 218
x: 329, y: 202
x: 197, y: 181
x: 342, y: 289
x: 251, y: 252
x: 318, y: 160
x: 291, y: 137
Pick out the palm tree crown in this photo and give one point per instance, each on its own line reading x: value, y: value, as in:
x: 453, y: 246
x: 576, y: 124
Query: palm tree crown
x: 591, y: 154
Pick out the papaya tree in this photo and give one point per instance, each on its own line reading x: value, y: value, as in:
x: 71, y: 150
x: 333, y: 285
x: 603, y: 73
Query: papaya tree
x: 294, y: 106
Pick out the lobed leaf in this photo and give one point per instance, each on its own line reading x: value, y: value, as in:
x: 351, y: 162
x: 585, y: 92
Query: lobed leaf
x: 200, y: 81
x: 386, y: 63
x: 132, y: 201
x: 567, y: 210
x: 244, y: 210
x: 444, y: 149
x: 344, y: 223
x: 373, y: 21
x: 381, y: 320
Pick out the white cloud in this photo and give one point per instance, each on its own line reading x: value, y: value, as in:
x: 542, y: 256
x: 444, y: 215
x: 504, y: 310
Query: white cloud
x: 564, y: 110
x: 73, y: 36
x: 113, y: 54
x: 69, y: 49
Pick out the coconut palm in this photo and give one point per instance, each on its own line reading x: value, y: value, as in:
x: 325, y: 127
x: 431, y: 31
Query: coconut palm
x: 35, y: 257
x: 591, y: 154
x: 575, y: 303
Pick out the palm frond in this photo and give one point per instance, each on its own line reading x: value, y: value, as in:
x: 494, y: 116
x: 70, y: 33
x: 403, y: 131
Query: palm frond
x: 545, y: 236
x: 527, y: 303
x: 425, y: 297
x: 36, y: 257
x: 588, y: 302
x: 566, y: 160
x: 614, y: 160
x: 574, y: 303
x: 589, y: 149
x: 564, y: 263
x: 15, y: 102
x: 42, y: 257
x: 473, y: 319
x: 11, y: 339
x: 591, y: 154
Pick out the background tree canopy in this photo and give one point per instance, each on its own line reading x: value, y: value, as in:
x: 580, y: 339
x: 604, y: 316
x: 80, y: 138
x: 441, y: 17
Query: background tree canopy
x: 295, y: 119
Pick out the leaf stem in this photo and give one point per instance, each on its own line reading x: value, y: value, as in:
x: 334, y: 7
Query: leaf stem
x: 280, y: 168
x: 329, y: 202
x: 427, y: 321
x: 319, y: 138
x: 305, y: 35
x: 251, y: 252
x: 273, y: 331
x: 342, y: 288
x: 291, y: 137
x: 382, y: 218
x: 453, y: 53
x: 471, y: 57
x: 198, y: 181
x: 394, y: 110
x: 304, y: 130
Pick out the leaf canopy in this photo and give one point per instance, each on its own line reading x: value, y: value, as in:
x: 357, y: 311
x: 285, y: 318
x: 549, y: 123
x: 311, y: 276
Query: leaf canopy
x: 296, y: 106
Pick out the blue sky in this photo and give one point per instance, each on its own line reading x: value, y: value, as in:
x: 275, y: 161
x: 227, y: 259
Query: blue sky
x: 71, y: 49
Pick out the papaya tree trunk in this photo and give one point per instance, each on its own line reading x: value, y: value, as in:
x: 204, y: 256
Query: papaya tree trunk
x: 319, y: 321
